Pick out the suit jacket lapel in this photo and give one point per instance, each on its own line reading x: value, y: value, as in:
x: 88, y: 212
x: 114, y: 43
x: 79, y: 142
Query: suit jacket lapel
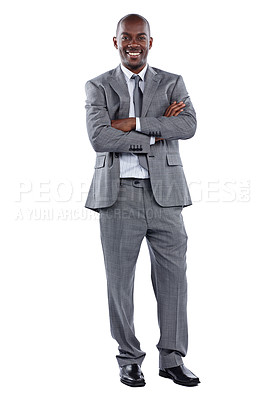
x: 118, y: 83
x: 152, y: 80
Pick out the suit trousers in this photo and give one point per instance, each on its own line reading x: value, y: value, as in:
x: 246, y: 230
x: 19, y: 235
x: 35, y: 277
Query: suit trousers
x: 123, y: 226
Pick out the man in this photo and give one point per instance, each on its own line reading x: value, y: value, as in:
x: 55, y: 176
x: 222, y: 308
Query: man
x: 135, y: 116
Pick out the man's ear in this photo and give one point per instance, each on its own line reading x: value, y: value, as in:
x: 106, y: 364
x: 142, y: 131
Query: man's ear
x: 115, y: 42
x: 150, y: 43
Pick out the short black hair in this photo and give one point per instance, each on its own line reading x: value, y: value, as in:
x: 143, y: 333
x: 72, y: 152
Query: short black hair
x: 128, y: 16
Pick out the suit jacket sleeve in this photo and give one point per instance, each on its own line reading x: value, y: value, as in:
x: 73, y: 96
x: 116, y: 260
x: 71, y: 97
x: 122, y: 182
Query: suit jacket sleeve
x: 101, y: 134
x: 183, y: 126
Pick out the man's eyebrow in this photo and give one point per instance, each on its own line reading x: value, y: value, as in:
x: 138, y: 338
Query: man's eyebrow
x: 139, y: 34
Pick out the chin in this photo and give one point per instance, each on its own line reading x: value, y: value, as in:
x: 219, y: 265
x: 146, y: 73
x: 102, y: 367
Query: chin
x: 136, y: 66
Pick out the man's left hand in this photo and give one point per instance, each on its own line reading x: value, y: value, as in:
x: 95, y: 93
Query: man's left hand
x: 125, y: 124
x: 173, y: 111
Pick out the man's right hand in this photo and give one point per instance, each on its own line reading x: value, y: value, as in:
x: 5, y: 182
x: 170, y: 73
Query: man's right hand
x: 172, y: 111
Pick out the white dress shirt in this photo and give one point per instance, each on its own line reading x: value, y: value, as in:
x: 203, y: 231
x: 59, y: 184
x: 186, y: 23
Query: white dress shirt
x: 129, y: 162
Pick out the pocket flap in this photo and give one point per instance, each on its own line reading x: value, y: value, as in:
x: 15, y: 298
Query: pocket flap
x: 174, y: 159
x: 100, y: 160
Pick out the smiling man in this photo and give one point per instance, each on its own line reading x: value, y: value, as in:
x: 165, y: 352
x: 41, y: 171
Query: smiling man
x: 133, y: 55
x: 136, y: 116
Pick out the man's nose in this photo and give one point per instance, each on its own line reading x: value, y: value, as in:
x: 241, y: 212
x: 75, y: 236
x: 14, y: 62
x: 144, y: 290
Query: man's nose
x: 133, y: 42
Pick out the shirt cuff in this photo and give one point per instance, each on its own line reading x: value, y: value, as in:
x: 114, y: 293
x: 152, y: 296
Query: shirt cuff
x: 138, y: 129
x: 138, y: 125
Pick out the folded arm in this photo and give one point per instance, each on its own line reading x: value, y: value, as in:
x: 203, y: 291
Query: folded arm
x: 127, y: 124
x: 103, y: 136
x: 172, y: 126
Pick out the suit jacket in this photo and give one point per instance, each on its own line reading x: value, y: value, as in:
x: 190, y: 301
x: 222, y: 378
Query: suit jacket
x: 107, y: 99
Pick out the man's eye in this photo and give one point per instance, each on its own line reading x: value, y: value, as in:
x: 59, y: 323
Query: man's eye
x: 142, y: 38
x: 124, y: 38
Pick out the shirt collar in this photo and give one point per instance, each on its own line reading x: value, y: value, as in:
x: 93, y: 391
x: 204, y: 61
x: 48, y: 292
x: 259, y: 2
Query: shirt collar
x: 129, y: 73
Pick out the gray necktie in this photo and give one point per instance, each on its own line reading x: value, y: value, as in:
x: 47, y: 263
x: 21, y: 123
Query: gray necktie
x: 137, y: 99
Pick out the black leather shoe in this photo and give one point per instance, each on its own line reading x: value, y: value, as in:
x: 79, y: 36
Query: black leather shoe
x: 132, y: 375
x: 180, y: 375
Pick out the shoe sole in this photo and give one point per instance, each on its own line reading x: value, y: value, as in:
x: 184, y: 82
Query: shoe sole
x: 189, y: 384
x: 131, y: 384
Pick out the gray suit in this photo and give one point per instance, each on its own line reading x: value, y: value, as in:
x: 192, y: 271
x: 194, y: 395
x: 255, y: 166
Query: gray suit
x: 107, y: 99
x: 131, y: 209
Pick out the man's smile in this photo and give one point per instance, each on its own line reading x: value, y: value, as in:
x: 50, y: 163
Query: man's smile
x: 133, y: 53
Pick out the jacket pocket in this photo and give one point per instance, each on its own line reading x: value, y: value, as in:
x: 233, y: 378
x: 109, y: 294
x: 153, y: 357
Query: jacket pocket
x: 174, y: 159
x: 100, y: 161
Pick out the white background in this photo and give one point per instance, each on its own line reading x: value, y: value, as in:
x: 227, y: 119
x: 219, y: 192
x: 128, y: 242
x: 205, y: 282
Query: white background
x: 55, y: 338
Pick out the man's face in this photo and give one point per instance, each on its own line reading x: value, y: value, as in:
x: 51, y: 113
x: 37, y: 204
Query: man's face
x: 133, y: 42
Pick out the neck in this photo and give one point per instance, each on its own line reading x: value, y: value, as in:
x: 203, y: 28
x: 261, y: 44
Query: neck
x: 134, y: 70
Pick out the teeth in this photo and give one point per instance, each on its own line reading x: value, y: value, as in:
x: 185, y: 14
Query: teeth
x: 133, y: 54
